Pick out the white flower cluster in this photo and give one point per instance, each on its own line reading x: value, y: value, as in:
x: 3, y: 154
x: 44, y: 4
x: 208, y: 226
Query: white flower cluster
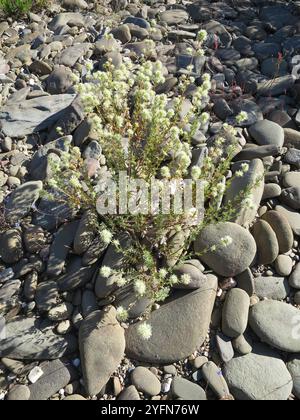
x: 185, y: 279
x: 248, y: 202
x: 122, y: 314
x: 201, y: 38
x: 226, y: 241
x: 202, y: 94
x: 146, y: 134
x: 241, y: 117
x: 105, y: 271
x: 106, y: 236
x: 145, y: 331
x: 140, y: 287
x: 202, y: 35
x: 241, y: 172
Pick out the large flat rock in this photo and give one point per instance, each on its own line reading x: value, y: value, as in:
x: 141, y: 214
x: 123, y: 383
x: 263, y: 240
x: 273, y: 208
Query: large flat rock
x: 34, y: 339
x: 259, y: 376
x: 23, y: 118
x: 277, y: 324
x: 179, y: 327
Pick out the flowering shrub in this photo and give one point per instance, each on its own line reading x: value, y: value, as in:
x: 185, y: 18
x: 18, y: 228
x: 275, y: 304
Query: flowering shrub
x: 144, y: 135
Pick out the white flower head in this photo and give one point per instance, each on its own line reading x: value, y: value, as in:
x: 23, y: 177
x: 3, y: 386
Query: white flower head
x: 120, y: 281
x: 173, y: 279
x: 226, y: 241
x: 195, y: 172
x: 140, y: 287
x: 206, y: 77
x: 205, y: 184
x: 204, y: 117
x: 106, y: 236
x: 241, y: 117
x: 248, y: 203
x: 116, y: 243
x: 190, y: 68
x: 170, y: 113
x: 165, y: 172
x: 59, y: 130
x: 122, y: 314
x: 185, y: 279
x: 220, y: 141
x: 163, y: 273
x: 145, y: 330
x: 89, y: 65
x: 200, y: 52
x: 221, y: 187
x: 239, y: 174
x: 105, y: 271
x: 75, y: 183
x: 245, y: 167
x: 206, y: 85
x: 202, y: 35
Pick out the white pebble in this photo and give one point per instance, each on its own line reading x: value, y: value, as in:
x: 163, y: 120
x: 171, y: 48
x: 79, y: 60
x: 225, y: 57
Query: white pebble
x: 166, y: 386
x: 35, y: 374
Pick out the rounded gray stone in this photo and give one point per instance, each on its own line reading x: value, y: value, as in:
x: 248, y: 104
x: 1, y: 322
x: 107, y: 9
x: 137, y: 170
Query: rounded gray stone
x: 242, y: 345
x: 235, y: 313
x: 245, y: 281
x: 186, y: 390
x: 145, y: 381
x: 291, y: 197
x: 294, y: 279
x: 46, y: 295
x: 230, y: 260
x: 294, y: 369
x: 197, y: 277
x: 271, y: 191
x: 275, y: 323
x: 266, y: 241
x: 283, y: 265
x: 282, y: 229
x: 214, y: 377
x: 60, y: 248
x: 19, y: 393
x: 74, y: 397
x: 260, y: 375
x: 292, y: 216
x: 129, y: 393
x: 291, y: 179
x: 102, y: 345
x: 174, y: 17
x: 267, y: 132
x: 59, y: 81
x: 56, y: 375
x: 297, y: 298
x: 276, y: 288
x: 182, y: 322
x: 11, y: 249
x: 224, y: 346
